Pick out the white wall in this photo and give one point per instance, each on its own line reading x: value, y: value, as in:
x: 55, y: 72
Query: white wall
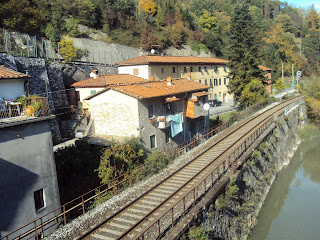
x: 143, y: 70
x: 85, y: 92
x: 11, y: 89
x: 115, y: 114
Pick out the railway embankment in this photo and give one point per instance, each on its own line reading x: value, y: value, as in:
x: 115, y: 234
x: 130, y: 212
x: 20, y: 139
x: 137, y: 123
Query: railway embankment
x: 234, y: 213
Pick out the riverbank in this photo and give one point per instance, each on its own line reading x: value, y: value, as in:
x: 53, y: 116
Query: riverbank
x: 232, y: 216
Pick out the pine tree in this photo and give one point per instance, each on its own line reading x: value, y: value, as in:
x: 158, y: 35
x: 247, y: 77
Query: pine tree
x: 243, y: 52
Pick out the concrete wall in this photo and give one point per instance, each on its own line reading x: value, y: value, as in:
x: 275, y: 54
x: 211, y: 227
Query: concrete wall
x: 115, y: 114
x: 11, y: 89
x: 142, y: 70
x: 26, y: 165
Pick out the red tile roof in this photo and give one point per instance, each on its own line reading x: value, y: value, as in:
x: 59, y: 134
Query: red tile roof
x: 7, y: 73
x: 107, y: 80
x: 160, y: 88
x: 264, y: 68
x: 145, y: 60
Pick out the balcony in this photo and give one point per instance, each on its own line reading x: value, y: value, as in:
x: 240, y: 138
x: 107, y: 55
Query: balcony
x: 32, y: 106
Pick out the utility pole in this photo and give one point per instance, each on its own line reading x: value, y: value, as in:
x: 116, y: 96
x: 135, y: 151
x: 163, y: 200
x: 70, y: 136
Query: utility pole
x: 282, y: 73
x: 292, y: 75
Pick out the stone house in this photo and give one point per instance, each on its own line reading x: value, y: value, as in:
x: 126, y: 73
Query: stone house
x: 162, y: 113
x: 212, y: 72
x: 13, y: 84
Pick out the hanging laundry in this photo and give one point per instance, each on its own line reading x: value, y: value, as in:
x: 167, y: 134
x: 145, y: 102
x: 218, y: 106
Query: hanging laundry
x: 176, y: 124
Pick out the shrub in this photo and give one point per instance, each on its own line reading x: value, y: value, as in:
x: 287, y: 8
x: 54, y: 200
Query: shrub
x: 156, y: 161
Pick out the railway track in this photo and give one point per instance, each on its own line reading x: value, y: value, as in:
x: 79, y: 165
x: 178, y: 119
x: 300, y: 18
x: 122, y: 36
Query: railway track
x: 141, y: 217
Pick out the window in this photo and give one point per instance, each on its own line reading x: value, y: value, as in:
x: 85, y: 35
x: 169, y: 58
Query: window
x: 150, y: 111
x: 205, y: 82
x: 219, y: 81
x: 215, y: 69
x: 185, y: 69
x: 219, y: 94
x: 225, y: 68
x: 211, y: 82
x: 173, y: 69
x: 39, y: 199
x: 162, y: 70
x: 153, y: 141
x: 191, y: 70
x: 199, y: 69
x: 205, y: 68
x: 215, y: 82
x: 224, y: 81
x: 93, y: 92
x: 199, y: 81
x: 135, y: 71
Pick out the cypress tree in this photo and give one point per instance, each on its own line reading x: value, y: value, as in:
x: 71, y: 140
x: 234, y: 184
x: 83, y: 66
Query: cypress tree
x: 243, y: 52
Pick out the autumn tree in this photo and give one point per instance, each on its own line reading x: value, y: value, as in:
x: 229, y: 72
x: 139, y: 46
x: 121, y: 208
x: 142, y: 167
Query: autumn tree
x: 67, y: 50
x: 243, y: 52
x: 254, y: 92
x: 279, y: 85
x: 149, y: 6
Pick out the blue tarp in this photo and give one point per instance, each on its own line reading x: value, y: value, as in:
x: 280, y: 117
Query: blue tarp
x: 176, y: 124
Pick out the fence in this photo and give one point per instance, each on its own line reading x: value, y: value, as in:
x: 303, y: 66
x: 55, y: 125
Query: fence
x: 24, y: 45
x: 29, y: 106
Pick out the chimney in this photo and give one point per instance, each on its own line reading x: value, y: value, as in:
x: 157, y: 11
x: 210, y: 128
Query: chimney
x: 169, y: 81
x: 94, y: 74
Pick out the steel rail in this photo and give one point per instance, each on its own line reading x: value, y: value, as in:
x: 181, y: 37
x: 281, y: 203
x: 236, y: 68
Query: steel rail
x: 284, y: 104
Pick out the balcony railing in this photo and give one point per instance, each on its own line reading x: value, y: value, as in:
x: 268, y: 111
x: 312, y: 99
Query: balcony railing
x: 27, y: 106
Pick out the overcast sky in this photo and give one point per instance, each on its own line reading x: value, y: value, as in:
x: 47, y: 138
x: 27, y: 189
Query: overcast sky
x: 304, y: 3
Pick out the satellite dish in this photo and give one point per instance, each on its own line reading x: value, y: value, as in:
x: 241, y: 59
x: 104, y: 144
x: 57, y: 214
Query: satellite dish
x: 153, y: 51
x: 91, y: 75
x: 206, y: 106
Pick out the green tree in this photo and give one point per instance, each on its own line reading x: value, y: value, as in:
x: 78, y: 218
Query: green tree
x: 72, y: 27
x: 254, y: 92
x: 243, y: 52
x: 208, y: 22
x: 279, y: 85
x: 67, y: 50
x: 22, y: 16
x: 119, y: 158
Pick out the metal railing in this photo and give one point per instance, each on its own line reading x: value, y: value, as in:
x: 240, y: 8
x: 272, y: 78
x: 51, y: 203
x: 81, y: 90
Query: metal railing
x: 33, y: 106
x: 89, y: 200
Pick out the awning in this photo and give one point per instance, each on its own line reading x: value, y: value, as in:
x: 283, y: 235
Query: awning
x: 199, y: 94
x: 172, y: 99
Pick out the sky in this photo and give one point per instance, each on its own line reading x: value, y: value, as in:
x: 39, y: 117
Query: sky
x: 304, y: 3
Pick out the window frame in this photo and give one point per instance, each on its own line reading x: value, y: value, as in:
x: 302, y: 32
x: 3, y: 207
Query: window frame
x: 152, y: 146
x: 39, y: 199
x: 150, y: 107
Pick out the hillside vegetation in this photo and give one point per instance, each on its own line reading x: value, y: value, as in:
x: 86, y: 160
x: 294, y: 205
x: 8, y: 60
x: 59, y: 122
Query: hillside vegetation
x: 248, y: 33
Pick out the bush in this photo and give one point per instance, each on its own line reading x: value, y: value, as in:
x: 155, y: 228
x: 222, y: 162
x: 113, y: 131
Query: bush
x: 156, y: 161
x: 308, y: 131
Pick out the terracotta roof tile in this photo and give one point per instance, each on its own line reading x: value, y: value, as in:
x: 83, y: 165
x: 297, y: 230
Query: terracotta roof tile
x: 107, y: 80
x: 160, y: 88
x: 264, y: 68
x: 7, y: 73
x: 142, y: 60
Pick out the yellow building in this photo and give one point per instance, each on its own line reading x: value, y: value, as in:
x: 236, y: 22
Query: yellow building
x: 210, y: 71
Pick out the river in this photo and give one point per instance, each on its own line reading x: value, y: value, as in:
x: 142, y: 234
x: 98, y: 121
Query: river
x: 292, y: 207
